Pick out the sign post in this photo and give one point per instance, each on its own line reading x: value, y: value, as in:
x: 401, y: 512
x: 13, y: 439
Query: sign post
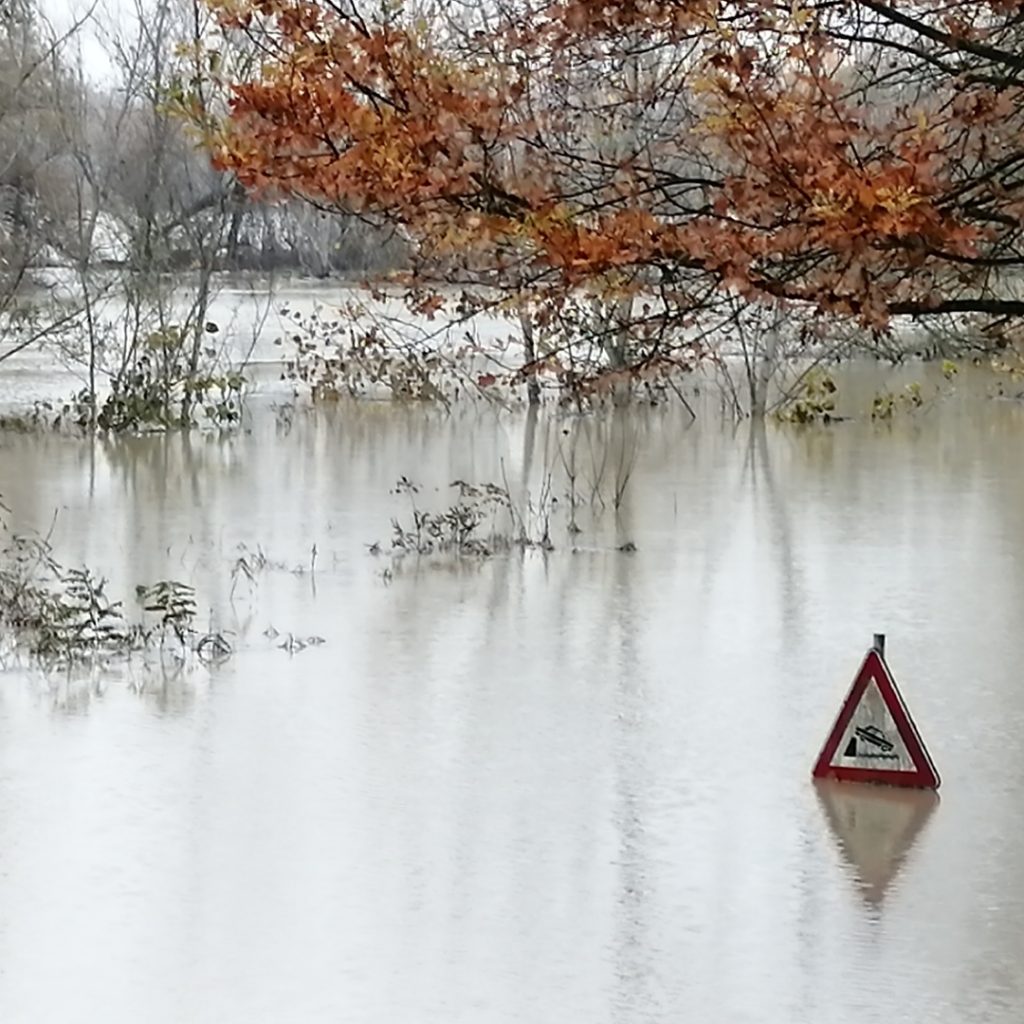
x: 874, y: 739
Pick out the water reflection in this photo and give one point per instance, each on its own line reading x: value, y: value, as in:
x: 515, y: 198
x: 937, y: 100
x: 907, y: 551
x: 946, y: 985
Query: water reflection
x: 774, y: 507
x: 636, y: 786
x: 875, y: 828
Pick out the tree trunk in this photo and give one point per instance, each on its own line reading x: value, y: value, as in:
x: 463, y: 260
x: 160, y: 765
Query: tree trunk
x: 618, y: 352
x: 766, y: 356
x: 529, y: 357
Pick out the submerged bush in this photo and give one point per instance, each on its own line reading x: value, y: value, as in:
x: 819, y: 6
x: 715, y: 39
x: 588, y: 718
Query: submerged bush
x: 483, y: 519
x: 171, y: 383
x: 63, y: 615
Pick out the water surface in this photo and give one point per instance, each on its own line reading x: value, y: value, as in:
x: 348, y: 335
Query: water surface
x: 570, y: 786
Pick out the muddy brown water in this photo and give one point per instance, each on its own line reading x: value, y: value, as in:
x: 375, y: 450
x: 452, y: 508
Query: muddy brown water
x: 570, y: 786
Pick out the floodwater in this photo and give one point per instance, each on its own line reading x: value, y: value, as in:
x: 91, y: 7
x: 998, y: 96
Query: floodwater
x: 570, y: 786
x: 255, y: 329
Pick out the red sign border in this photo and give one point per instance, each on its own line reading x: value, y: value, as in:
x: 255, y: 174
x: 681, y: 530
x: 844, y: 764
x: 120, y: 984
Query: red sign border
x: 923, y: 777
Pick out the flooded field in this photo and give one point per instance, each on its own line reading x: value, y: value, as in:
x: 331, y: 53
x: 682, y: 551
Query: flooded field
x: 566, y: 785
x: 254, y: 328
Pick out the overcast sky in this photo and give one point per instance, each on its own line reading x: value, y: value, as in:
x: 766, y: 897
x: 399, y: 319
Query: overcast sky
x: 93, y: 38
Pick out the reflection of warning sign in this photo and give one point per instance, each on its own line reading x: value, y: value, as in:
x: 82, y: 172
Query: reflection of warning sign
x: 876, y: 829
x: 874, y: 738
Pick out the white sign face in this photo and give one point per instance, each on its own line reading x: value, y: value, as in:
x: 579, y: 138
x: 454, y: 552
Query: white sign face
x: 871, y: 739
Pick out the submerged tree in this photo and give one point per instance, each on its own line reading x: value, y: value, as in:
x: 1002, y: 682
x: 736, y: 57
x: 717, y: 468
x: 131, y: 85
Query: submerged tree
x: 858, y: 158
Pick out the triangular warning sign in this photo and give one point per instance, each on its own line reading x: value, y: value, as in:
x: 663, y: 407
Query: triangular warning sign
x: 874, y: 738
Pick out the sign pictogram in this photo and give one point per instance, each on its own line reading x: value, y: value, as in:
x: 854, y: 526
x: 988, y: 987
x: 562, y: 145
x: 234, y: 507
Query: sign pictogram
x: 874, y: 738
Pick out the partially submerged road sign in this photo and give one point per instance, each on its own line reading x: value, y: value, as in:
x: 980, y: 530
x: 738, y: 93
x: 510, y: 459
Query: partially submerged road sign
x: 874, y: 738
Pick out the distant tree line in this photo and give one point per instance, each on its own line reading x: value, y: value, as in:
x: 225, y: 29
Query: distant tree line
x: 97, y: 170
